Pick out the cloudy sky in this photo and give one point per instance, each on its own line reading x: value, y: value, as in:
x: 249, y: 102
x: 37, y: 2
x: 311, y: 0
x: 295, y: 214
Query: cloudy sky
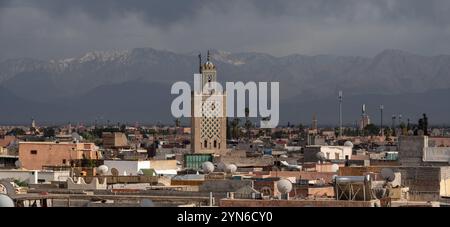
x: 64, y: 28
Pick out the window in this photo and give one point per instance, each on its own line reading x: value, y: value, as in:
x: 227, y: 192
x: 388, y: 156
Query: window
x: 215, y: 144
x: 64, y: 161
x: 336, y: 155
x: 34, y: 152
x: 206, y: 144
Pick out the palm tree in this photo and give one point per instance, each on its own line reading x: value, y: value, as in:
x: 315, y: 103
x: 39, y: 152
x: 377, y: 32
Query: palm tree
x: 248, y: 124
x: 177, y: 122
x: 235, y: 128
x: 301, y: 130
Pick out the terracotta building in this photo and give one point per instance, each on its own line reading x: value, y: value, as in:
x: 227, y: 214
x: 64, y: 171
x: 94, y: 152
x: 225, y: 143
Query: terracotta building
x: 35, y: 155
x: 114, y: 140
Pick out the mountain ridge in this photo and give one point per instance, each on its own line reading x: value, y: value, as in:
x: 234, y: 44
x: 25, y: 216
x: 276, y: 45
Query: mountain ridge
x: 303, y: 78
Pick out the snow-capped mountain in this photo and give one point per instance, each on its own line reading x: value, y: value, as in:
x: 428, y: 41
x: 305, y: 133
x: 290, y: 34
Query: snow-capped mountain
x: 302, y: 78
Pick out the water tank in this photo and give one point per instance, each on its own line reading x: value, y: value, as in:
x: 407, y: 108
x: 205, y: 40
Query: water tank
x: 208, y: 167
x: 102, y: 170
x: 351, y: 179
x: 5, y: 201
x: 284, y: 186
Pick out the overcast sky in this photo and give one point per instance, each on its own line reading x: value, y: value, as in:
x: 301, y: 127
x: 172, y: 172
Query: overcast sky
x: 64, y: 28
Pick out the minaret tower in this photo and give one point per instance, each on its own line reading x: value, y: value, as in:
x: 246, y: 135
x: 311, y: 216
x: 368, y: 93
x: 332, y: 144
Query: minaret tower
x: 208, y: 121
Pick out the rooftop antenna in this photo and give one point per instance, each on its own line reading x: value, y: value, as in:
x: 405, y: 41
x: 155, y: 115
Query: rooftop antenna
x: 388, y: 176
x: 393, y: 122
x: 381, y: 124
x: 363, y: 118
x: 340, y: 112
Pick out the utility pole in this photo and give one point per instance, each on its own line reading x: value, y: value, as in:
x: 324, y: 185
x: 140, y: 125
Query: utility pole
x: 381, y: 122
x: 393, y: 125
x: 340, y: 113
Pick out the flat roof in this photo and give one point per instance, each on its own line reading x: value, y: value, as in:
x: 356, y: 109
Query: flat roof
x: 51, y: 143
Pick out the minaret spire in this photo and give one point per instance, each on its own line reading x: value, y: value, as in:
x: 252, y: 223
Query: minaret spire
x: 208, y: 56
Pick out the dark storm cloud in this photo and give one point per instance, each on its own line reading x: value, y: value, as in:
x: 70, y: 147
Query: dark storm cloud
x: 54, y: 28
x: 154, y: 12
x: 162, y: 12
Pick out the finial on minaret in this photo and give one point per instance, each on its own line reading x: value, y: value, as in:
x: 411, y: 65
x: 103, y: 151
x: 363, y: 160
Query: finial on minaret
x: 200, y: 63
x: 208, y: 56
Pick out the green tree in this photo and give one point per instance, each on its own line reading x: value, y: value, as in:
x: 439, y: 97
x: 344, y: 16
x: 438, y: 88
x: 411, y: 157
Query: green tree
x: 301, y: 131
x: 123, y: 127
x: 371, y: 130
x: 235, y: 128
x: 177, y: 122
x: 248, y: 124
x: 388, y: 132
x: 49, y: 132
x: 16, y: 132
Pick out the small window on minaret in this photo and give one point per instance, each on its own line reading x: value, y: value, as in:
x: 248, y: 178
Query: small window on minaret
x: 215, y: 144
x: 205, y: 145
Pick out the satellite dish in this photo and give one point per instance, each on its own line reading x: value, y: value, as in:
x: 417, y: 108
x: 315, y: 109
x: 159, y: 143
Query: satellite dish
x: 230, y: 168
x: 334, y: 168
x: 147, y: 203
x: 208, y: 167
x: 284, y: 186
x: 115, y: 172
x: 221, y: 166
x: 102, y: 170
x: 6, y: 201
x: 320, y: 155
x: 388, y: 174
x: 18, y: 164
x: 348, y: 144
